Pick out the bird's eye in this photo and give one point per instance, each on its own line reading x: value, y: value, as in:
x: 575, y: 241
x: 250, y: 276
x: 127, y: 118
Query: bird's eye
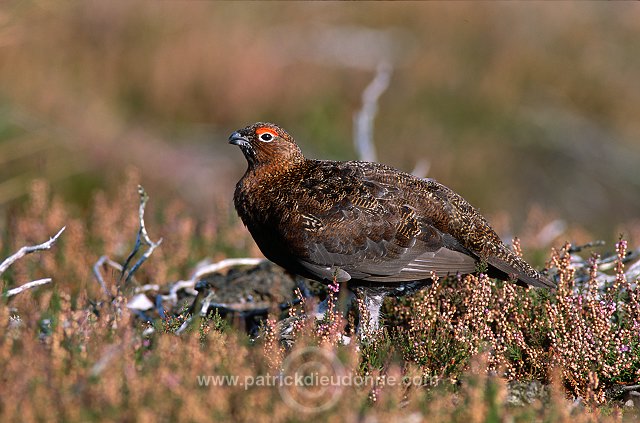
x: 266, y: 137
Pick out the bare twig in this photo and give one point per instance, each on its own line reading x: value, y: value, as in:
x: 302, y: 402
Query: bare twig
x: 96, y: 272
x: 363, y: 120
x: 215, y: 267
x: 142, y: 238
x: 26, y: 286
x: 147, y: 287
x: 28, y: 250
x: 632, y: 274
x: 206, y: 270
x: 588, y: 245
x: 633, y: 271
x: 604, y: 264
x: 421, y: 169
x: 189, y: 285
x: 184, y: 326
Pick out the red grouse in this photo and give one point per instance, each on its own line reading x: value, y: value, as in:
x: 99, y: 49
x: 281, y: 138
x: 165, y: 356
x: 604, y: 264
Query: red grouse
x: 382, y: 230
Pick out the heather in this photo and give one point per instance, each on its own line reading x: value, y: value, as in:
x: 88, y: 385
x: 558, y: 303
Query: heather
x: 466, y: 348
x: 526, y: 109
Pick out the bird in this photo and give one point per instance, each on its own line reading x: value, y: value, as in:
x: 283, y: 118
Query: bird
x: 379, y: 230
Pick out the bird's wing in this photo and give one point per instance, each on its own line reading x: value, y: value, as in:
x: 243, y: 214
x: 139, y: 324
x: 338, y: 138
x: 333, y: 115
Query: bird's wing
x: 359, y: 227
x: 473, y: 231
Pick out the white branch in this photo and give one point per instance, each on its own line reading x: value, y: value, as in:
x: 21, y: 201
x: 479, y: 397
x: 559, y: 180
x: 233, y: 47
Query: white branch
x: 28, y: 250
x: 363, y: 120
x: 96, y: 271
x: 147, y: 287
x: 421, y: 169
x: 189, y: 284
x: 633, y: 271
x: 26, y: 286
x: 215, y: 267
x: 143, y: 229
x: 143, y: 237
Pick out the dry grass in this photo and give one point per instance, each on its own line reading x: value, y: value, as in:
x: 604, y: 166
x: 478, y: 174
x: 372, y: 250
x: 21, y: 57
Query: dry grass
x: 527, y: 110
x: 461, y: 343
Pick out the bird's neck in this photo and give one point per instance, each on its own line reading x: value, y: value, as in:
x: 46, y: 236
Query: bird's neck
x: 274, y: 170
x: 264, y: 178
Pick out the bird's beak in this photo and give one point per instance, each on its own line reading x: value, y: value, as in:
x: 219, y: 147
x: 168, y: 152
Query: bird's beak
x: 238, y: 139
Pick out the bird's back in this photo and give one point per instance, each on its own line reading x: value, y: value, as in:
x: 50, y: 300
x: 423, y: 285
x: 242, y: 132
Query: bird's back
x: 368, y: 222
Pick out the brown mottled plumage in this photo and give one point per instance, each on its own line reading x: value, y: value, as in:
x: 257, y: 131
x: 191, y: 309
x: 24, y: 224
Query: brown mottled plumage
x: 361, y: 222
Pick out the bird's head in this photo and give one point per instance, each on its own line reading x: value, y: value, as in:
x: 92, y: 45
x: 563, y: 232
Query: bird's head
x: 266, y: 144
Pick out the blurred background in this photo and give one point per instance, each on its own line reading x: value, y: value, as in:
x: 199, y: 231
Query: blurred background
x: 529, y: 110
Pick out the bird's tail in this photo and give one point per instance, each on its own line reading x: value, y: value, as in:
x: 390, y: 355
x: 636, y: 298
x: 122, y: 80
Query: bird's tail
x: 517, y: 269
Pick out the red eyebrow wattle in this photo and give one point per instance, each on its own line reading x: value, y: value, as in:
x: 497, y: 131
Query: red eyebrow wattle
x: 261, y: 131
